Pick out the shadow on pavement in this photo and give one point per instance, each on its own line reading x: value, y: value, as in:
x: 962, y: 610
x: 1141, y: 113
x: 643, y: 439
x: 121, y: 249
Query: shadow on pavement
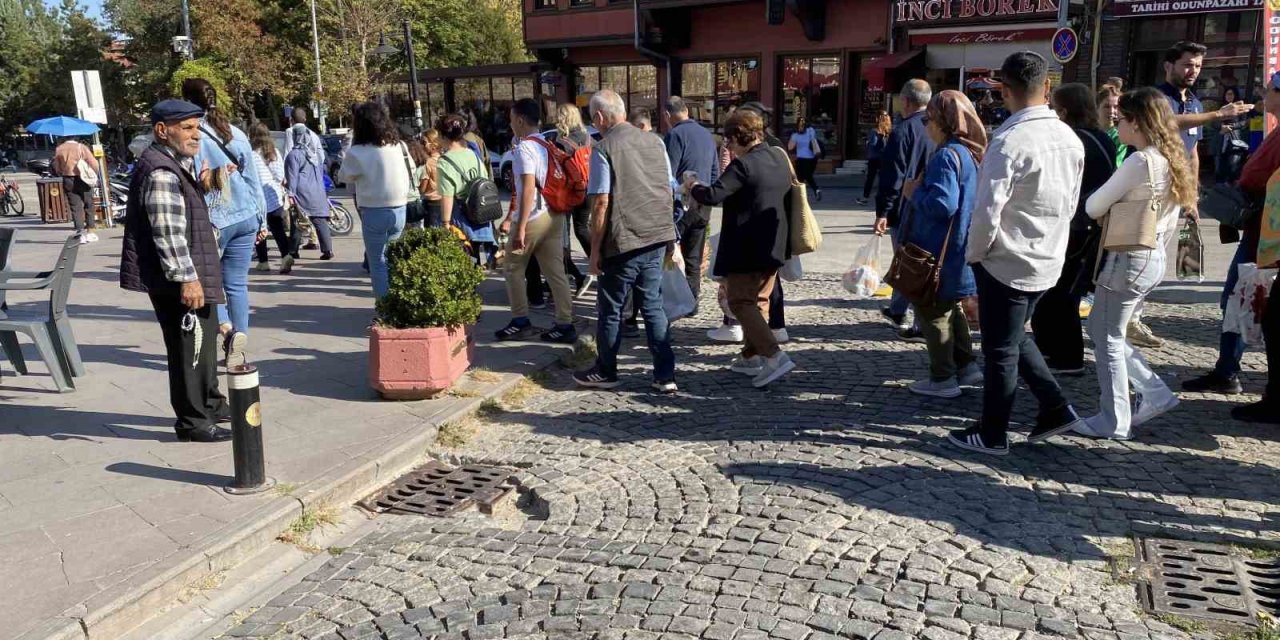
x: 169, y: 473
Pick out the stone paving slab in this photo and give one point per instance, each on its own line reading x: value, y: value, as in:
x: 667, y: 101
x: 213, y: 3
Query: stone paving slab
x: 95, y: 492
x: 827, y: 506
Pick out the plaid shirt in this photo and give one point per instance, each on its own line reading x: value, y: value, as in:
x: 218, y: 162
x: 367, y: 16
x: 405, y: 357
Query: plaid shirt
x: 162, y: 198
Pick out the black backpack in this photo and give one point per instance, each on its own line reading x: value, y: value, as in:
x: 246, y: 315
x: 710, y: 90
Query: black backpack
x: 483, y: 203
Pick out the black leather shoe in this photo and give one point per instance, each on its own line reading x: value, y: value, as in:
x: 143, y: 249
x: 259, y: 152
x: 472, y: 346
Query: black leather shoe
x: 223, y: 419
x: 208, y: 434
x: 1213, y: 383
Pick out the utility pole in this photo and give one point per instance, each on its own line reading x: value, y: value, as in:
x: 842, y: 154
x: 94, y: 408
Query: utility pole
x: 316, y: 106
x: 413, y: 78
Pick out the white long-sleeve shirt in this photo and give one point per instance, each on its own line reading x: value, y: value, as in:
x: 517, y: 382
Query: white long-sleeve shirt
x: 1028, y: 187
x: 379, y: 174
x: 1133, y: 175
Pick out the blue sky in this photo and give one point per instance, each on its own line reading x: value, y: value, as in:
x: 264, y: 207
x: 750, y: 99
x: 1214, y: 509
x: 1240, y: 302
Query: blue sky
x: 94, y: 7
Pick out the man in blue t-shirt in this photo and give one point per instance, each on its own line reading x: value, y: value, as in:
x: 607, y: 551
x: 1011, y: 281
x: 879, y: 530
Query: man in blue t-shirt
x: 1182, y: 64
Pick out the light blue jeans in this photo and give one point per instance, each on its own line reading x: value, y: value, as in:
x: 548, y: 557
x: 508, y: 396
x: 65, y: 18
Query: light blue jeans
x: 236, y: 243
x: 379, y: 226
x: 1123, y: 283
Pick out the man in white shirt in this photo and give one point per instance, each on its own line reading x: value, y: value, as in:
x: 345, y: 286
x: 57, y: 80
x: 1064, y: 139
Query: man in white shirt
x: 1028, y: 187
x: 534, y: 232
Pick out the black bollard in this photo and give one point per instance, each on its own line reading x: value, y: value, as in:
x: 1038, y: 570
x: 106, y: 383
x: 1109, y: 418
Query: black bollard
x: 246, y: 432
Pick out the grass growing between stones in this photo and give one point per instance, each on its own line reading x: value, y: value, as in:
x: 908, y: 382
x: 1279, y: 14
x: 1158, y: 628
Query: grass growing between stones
x: 520, y: 393
x: 285, y: 489
x: 484, y: 375
x: 1267, y: 629
x: 488, y: 408
x: 1120, y: 558
x: 1180, y: 623
x: 299, y: 531
x: 458, y: 433
x: 207, y: 583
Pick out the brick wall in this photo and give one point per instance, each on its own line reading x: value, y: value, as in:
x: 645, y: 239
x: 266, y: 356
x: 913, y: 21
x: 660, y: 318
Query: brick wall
x: 1114, y: 52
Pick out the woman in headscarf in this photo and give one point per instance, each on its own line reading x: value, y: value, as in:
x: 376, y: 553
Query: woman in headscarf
x: 941, y: 205
x: 304, y: 178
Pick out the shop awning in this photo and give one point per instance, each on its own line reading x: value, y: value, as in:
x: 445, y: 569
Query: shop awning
x: 874, y: 71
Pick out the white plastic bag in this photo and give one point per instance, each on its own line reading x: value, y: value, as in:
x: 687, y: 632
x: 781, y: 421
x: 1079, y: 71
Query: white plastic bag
x: 792, y: 270
x: 677, y: 297
x: 1243, y: 314
x: 863, y: 277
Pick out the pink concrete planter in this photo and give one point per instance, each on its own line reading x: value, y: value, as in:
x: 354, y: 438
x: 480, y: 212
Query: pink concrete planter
x: 414, y: 364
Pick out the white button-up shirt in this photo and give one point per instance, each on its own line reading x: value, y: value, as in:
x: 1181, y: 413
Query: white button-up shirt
x: 1028, y: 187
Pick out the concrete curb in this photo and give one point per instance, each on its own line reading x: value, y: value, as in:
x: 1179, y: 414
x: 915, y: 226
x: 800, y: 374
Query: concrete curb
x: 154, y: 590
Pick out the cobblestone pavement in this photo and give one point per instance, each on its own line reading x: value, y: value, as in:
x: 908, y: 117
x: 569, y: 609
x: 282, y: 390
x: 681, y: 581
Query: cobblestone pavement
x: 824, y: 507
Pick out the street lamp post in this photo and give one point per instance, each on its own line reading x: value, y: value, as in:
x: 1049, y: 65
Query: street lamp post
x: 315, y: 45
x: 386, y: 49
x: 413, y: 78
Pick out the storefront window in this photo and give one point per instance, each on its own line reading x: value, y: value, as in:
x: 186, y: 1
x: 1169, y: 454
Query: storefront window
x: 811, y: 88
x: 637, y: 84
x: 643, y: 89
x: 713, y: 89
x: 433, y: 108
x: 1229, y: 37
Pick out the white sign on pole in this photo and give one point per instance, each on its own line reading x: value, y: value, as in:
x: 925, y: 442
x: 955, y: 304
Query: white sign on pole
x: 89, y: 102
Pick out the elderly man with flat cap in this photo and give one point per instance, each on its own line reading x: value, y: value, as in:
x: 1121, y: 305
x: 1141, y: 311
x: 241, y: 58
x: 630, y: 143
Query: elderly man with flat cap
x: 170, y: 253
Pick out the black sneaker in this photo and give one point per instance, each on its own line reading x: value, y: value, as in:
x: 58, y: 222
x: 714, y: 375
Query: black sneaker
x: 911, y: 334
x: 562, y: 335
x: 515, y: 331
x: 1213, y: 383
x: 1264, y: 412
x: 897, y: 320
x: 1053, y: 422
x: 971, y: 440
x: 594, y: 379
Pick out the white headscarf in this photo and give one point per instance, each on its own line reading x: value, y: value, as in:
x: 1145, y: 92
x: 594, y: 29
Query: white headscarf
x: 309, y: 142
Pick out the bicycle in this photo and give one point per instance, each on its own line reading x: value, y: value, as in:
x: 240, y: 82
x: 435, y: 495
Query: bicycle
x: 10, y: 198
x: 340, y: 220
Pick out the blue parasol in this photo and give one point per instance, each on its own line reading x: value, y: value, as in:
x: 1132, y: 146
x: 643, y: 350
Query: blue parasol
x: 62, y: 126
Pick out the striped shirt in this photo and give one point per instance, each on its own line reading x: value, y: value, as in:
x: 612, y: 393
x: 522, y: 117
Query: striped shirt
x: 162, y: 199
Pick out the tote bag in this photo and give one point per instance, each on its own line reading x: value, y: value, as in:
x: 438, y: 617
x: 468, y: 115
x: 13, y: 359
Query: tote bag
x: 806, y: 235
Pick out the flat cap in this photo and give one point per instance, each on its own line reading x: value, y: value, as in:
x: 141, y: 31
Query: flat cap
x: 174, y: 110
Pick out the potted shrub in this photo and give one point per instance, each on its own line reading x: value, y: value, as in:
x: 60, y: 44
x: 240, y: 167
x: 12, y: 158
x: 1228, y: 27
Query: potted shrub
x: 423, y: 341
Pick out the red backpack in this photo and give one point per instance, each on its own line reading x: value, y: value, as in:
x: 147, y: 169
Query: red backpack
x: 565, y: 188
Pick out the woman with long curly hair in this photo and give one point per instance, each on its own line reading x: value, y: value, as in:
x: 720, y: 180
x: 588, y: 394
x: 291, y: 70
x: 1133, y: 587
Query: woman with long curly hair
x: 1158, y: 172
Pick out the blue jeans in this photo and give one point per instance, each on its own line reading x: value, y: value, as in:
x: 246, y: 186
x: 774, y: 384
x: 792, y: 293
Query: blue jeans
x: 641, y: 269
x: 380, y: 225
x: 1230, y: 345
x: 236, y: 243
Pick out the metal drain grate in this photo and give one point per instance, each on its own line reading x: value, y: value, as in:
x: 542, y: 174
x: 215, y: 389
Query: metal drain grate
x: 436, y: 489
x: 1206, y: 580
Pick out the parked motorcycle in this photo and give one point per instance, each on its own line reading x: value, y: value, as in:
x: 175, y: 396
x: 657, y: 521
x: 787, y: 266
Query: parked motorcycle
x: 42, y: 167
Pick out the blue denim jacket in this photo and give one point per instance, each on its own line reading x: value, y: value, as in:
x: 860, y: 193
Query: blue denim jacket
x: 950, y: 184
x: 246, y: 199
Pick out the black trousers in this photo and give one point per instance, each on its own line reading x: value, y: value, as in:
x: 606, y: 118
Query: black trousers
x: 1009, y: 353
x: 1058, y: 332
x: 693, y: 242
x: 533, y: 285
x: 581, y: 218
x: 287, y: 240
x: 873, y: 170
x: 193, y: 375
x: 804, y: 170
x: 323, y: 232
x: 80, y: 198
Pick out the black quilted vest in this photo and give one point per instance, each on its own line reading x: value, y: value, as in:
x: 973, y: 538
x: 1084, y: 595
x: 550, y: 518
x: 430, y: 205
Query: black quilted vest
x: 140, y: 268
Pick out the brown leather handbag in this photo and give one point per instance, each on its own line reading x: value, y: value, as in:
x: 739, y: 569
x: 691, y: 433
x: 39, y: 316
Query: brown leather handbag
x: 915, y: 272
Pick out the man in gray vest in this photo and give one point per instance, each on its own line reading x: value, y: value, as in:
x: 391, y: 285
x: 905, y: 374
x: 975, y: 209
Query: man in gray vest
x: 631, y: 232
x: 170, y: 253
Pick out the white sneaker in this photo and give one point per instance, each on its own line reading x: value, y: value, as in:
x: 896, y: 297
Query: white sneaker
x: 774, y: 368
x: 93, y: 237
x: 750, y: 366
x: 1150, y: 410
x: 944, y: 389
x: 84, y: 238
x: 970, y: 376
x: 781, y: 336
x: 726, y: 333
